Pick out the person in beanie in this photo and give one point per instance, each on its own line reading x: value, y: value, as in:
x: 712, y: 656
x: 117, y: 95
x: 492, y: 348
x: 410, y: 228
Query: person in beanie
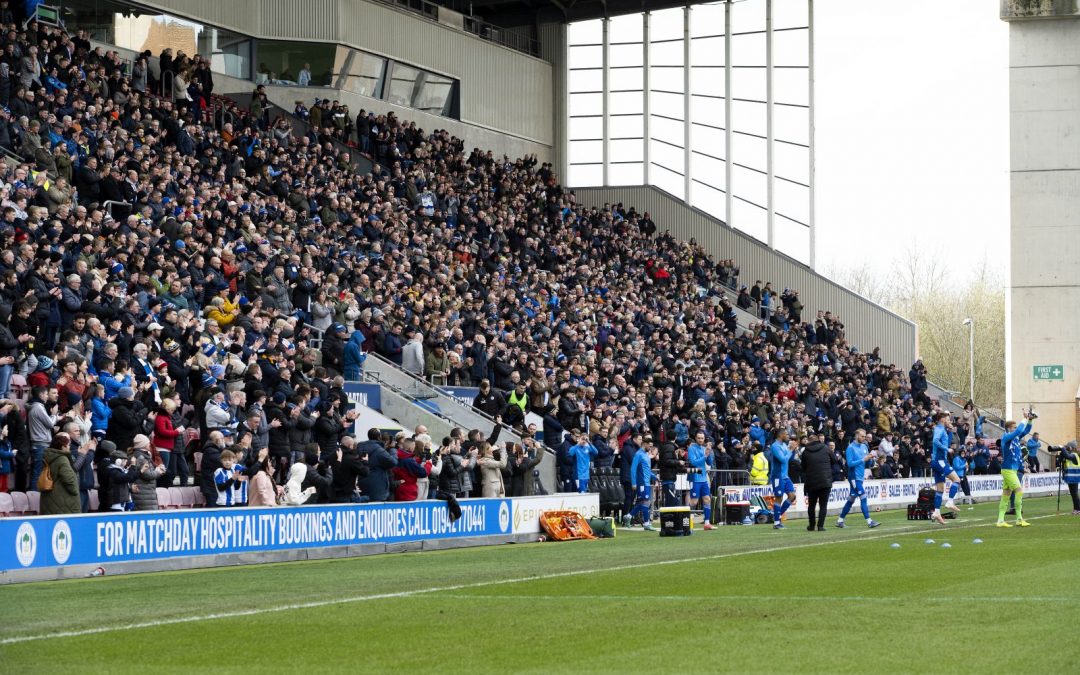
x: 122, y: 473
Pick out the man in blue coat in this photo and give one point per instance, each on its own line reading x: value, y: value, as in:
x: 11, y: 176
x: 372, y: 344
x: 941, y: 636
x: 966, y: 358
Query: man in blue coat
x: 376, y: 485
x: 582, y: 453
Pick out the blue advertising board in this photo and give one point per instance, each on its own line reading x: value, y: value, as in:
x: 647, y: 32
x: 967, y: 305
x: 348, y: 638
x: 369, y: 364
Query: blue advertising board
x: 464, y: 395
x: 366, y: 394
x: 91, y: 539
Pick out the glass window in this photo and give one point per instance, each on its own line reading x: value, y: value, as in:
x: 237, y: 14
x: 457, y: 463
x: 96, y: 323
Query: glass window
x: 749, y: 117
x: 586, y: 104
x: 708, y: 111
x: 626, y: 79
x: 749, y: 218
x: 707, y: 51
x: 749, y: 151
x: 791, y: 48
x: 281, y: 62
x: 626, y: 102
x: 790, y: 14
x: 666, y: 53
x: 402, y: 84
x: 434, y: 93
x: 666, y: 155
x: 586, y: 127
x: 667, y: 130
x: 791, y: 238
x: 366, y: 74
x: 586, y: 80
x: 625, y: 55
x: 707, y: 81
x: 626, y: 174
x: 585, y: 33
x: 589, y: 56
x: 625, y: 28
x: 585, y: 175
x: 586, y: 152
x: 792, y: 161
x: 791, y: 85
x: 626, y: 126
x: 707, y: 20
x: 668, y: 105
x: 792, y: 200
x: 626, y: 151
x: 667, y: 24
x: 791, y: 124
x: 749, y: 185
x: 709, y: 199
x: 748, y: 83
x: 708, y: 140
x: 667, y: 180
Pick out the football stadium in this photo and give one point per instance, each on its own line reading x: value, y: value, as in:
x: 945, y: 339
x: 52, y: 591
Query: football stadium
x: 539, y: 336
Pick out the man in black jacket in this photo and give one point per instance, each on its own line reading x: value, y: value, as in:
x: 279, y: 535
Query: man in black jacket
x: 670, y: 467
x: 375, y: 484
x: 211, y: 462
x: 817, y: 466
x: 347, y: 465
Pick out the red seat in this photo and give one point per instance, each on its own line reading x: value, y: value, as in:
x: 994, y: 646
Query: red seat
x: 7, y: 507
x: 35, y: 502
x: 187, y: 499
x: 94, y: 502
x: 200, y: 499
x: 164, y: 498
x: 21, y: 504
x: 176, y: 497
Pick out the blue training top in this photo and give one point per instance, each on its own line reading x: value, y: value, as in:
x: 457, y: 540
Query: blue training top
x: 856, y: 466
x: 941, y: 444
x: 778, y: 463
x: 696, y: 456
x: 1012, y: 453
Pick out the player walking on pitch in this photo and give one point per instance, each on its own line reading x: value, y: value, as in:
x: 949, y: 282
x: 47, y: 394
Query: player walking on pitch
x: 779, y: 479
x: 1012, y: 459
x: 857, y: 453
x: 939, y: 463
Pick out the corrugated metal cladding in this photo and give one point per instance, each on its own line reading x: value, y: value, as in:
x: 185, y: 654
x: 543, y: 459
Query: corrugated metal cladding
x: 553, y: 47
x: 305, y: 20
x: 239, y: 15
x: 500, y: 88
x: 866, y: 324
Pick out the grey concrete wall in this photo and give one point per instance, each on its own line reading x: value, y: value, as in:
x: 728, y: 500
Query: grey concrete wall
x: 1043, y: 300
x: 501, y: 89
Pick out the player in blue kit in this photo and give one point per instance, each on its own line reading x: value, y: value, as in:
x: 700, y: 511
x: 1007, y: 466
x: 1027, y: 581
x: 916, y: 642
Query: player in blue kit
x: 641, y: 479
x: 780, y: 454
x: 857, y: 454
x: 700, y: 458
x: 940, y: 465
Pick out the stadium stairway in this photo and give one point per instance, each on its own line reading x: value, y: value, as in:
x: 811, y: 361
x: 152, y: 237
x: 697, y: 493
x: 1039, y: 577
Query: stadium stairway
x: 406, y: 396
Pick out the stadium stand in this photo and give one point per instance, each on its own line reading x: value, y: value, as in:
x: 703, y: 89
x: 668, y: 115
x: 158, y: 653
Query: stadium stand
x: 165, y: 275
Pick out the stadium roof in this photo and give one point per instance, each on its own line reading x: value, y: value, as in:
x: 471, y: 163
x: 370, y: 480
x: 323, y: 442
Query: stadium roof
x: 511, y: 13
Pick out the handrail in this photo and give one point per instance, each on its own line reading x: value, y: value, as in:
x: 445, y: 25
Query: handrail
x: 473, y: 25
x: 433, y: 392
x: 109, y: 204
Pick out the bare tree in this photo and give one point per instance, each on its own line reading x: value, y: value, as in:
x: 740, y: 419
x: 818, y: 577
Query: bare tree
x: 920, y: 287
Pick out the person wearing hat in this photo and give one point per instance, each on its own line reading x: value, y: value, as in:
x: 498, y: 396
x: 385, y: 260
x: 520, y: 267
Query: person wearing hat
x: 122, y: 473
x: 126, y: 419
x: 150, y: 468
x: 333, y: 347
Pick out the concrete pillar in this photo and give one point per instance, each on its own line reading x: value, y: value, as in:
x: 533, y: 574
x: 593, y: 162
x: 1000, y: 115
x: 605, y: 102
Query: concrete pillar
x: 1043, y: 292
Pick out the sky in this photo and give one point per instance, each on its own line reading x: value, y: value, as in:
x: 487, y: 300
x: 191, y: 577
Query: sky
x: 912, y: 135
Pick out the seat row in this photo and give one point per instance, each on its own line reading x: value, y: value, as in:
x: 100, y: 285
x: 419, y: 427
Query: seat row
x: 29, y: 503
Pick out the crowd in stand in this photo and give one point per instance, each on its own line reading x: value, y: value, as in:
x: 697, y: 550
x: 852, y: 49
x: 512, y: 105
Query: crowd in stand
x: 177, y: 324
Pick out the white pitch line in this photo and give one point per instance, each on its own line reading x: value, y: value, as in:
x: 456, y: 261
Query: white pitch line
x: 763, y: 598
x: 461, y: 587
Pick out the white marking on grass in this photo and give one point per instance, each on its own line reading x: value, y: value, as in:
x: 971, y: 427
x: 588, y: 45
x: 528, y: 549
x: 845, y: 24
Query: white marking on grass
x: 461, y: 587
x: 764, y: 598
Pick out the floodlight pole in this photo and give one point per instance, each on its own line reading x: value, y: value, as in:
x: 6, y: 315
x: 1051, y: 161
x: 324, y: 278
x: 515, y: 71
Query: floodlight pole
x: 970, y: 323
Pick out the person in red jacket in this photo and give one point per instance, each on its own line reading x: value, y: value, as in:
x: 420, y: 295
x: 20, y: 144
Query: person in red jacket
x: 408, y: 469
x: 165, y: 433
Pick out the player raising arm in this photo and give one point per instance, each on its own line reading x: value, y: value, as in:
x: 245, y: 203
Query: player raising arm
x: 939, y: 463
x: 779, y: 479
x: 1012, y: 458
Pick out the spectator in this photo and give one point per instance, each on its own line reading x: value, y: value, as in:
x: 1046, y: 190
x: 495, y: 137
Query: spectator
x: 376, y: 484
x: 40, y: 420
x: 63, y: 497
x: 150, y: 467
x: 581, y: 454
x: 1033, y: 445
x: 263, y: 490
x: 818, y: 468
x: 122, y: 473
x: 492, y: 462
x: 295, y: 493
x: 409, y: 471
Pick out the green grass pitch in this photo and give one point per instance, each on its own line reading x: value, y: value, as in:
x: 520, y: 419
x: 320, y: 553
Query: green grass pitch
x: 739, y: 599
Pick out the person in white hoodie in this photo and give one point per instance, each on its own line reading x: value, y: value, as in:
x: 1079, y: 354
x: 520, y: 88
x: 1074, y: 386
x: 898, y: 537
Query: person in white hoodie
x: 296, y: 495
x: 412, y: 355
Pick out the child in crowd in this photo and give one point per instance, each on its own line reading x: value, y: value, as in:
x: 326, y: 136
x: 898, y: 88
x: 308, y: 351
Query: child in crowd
x: 231, y: 481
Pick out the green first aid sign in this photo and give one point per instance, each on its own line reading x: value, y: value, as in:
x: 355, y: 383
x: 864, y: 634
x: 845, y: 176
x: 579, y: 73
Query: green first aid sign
x: 1048, y: 372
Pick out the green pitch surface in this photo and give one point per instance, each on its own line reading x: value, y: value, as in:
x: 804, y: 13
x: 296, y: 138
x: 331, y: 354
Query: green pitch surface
x: 740, y: 599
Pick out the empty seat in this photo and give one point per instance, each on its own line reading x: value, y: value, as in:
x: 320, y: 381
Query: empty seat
x: 21, y: 504
x: 176, y: 497
x: 188, y: 497
x: 7, y: 507
x: 164, y: 499
x: 200, y: 500
x: 35, y: 502
x: 94, y: 502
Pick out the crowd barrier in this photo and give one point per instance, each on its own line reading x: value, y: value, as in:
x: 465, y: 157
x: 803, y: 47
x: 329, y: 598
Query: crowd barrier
x: 40, y: 547
x: 899, y: 492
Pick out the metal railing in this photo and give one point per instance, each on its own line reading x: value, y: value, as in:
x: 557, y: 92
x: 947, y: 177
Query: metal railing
x: 474, y: 26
